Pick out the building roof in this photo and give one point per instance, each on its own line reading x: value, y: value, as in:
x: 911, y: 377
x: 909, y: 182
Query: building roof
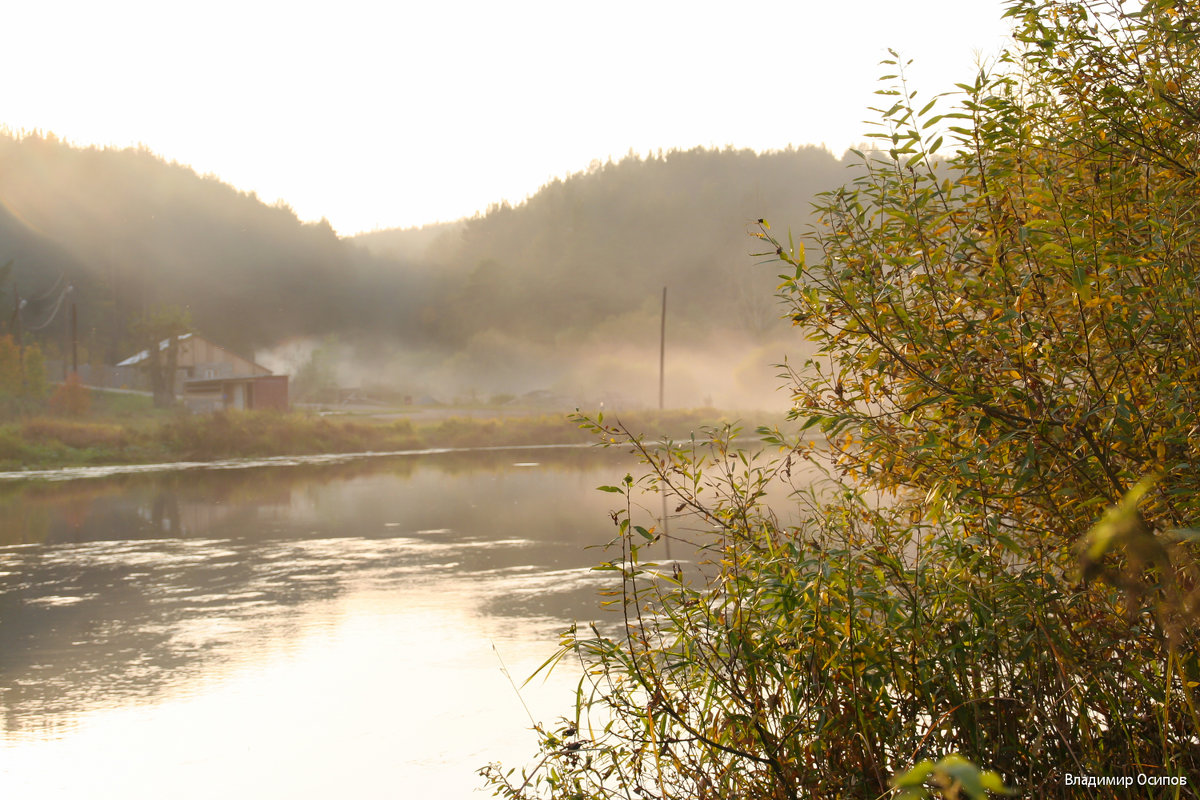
x: 140, y: 358
x: 133, y: 361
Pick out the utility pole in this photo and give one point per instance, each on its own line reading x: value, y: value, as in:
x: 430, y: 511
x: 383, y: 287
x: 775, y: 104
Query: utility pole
x: 66, y: 342
x: 662, y: 361
x: 20, y: 340
x: 662, y: 350
x: 74, y: 340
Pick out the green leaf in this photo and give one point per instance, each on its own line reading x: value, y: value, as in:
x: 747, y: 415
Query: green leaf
x: 915, y: 776
x: 816, y: 419
x: 994, y: 783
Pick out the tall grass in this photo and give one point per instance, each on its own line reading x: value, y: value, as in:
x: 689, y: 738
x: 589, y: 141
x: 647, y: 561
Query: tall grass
x: 129, y: 437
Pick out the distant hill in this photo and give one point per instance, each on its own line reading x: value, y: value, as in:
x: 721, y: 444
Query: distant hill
x: 132, y: 231
x: 522, y: 297
x: 602, y: 243
x: 564, y: 290
x: 412, y: 244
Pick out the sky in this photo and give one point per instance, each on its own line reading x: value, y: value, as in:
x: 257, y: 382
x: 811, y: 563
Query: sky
x: 379, y: 114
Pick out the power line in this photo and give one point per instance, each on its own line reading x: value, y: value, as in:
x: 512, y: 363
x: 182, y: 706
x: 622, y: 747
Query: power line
x: 57, y: 307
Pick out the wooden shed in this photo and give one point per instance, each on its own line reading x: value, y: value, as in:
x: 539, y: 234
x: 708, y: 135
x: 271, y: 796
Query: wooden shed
x: 242, y: 393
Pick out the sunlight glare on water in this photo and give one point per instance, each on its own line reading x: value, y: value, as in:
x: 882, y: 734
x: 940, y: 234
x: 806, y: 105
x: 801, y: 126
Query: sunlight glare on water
x: 349, y: 710
x: 331, y: 631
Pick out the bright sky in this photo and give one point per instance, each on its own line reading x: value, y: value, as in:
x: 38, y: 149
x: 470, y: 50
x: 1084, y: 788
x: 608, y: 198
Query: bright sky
x: 379, y: 114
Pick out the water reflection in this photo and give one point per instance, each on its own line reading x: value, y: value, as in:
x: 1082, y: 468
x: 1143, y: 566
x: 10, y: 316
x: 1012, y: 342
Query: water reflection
x: 251, y: 501
x: 153, y: 591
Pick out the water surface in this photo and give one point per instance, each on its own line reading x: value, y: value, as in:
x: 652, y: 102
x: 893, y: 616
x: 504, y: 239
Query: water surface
x: 304, y: 631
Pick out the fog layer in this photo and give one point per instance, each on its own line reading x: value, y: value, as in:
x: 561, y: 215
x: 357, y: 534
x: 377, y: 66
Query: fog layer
x: 561, y: 294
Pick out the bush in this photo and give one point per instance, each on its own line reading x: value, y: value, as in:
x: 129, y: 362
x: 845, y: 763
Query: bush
x: 1006, y: 346
x: 12, y: 448
x: 10, y: 366
x: 22, y: 377
x: 71, y: 398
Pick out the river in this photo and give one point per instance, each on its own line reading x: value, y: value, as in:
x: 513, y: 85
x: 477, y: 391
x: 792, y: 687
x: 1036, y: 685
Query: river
x: 292, y: 630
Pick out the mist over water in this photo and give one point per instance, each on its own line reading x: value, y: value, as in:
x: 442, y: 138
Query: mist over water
x: 730, y: 372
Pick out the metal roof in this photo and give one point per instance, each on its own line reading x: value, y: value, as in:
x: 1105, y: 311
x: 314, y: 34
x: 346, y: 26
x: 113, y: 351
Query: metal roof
x: 145, y: 354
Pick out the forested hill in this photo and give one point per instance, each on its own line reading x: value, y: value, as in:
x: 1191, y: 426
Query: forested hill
x: 602, y: 243
x: 133, y: 232
x: 582, y: 261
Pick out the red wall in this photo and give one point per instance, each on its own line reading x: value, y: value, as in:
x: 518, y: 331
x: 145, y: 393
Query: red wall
x: 271, y: 391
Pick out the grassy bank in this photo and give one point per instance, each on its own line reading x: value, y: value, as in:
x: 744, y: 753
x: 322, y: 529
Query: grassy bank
x: 48, y: 442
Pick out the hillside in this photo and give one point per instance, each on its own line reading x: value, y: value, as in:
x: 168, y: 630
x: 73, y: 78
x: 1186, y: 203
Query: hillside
x: 560, y: 291
x: 132, y: 231
x: 565, y: 289
x: 603, y: 243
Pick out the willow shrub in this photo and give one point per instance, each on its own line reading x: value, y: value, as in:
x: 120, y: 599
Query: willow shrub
x: 1007, y: 346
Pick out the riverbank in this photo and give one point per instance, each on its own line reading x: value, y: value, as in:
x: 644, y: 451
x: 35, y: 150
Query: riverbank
x: 50, y: 442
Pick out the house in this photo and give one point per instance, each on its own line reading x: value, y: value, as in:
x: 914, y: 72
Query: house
x: 210, y: 378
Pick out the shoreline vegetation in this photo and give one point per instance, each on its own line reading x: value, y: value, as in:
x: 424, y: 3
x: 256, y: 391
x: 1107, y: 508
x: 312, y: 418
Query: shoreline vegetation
x: 999, y: 591
x: 48, y: 442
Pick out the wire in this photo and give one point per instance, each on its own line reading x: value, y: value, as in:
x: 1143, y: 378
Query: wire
x: 61, y: 277
x: 53, y: 314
